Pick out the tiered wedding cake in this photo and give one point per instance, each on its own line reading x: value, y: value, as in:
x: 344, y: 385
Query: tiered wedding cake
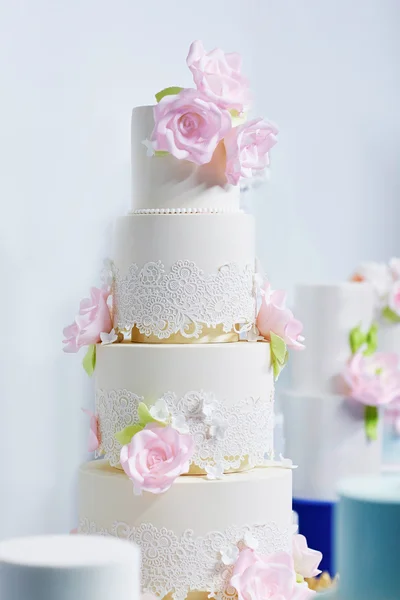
x: 177, y: 393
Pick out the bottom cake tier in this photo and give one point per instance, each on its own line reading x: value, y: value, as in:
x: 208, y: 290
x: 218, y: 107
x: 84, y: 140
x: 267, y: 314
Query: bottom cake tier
x: 185, y: 533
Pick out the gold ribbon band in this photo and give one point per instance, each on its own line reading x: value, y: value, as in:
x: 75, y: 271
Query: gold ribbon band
x: 209, y: 335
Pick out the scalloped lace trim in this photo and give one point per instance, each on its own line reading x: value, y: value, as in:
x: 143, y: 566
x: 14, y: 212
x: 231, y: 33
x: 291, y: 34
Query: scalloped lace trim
x: 224, y: 435
x: 182, y: 300
x: 177, y: 564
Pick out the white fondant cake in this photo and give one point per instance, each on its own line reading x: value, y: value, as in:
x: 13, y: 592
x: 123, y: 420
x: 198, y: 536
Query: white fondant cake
x: 68, y: 568
x: 235, y: 380
x: 184, y: 532
x: 166, y: 182
x: 190, y: 425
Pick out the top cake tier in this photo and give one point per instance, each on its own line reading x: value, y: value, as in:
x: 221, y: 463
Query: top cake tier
x: 166, y: 184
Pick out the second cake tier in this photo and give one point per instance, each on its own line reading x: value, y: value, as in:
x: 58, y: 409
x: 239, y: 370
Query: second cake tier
x: 222, y: 393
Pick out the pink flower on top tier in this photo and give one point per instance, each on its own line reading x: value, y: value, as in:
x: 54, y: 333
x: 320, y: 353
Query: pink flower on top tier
x: 394, y: 298
x: 247, y: 147
x: 219, y: 76
x: 155, y: 457
x: 189, y: 126
x: 373, y: 380
x: 258, y: 577
x: 275, y: 317
x: 94, y: 432
x: 305, y: 559
x: 93, y: 318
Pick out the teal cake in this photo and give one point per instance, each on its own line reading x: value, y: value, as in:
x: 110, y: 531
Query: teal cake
x: 368, y: 538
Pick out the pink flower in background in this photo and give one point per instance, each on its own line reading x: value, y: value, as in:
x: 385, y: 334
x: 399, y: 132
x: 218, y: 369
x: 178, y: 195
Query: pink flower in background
x: 373, y: 380
x: 94, y: 432
x: 247, y: 147
x: 93, y: 318
x: 219, y: 76
x: 267, y: 578
x: 394, y: 266
x: 189, y: 126
x: 394, y: 297
x: 155, y: 457
x: 305, y: 559
x: 275, y: 317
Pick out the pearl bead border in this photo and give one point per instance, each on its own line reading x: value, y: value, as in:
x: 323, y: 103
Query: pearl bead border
x: 183, y: 211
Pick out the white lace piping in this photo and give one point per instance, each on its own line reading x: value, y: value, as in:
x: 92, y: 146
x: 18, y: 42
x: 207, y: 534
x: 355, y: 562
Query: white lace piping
x: 182, y: 300
x: 184, y: 211
x: 224, y: 435
x: 176, y: 564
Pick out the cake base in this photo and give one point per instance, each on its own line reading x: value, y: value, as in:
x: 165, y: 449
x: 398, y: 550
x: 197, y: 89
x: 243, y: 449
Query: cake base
x: 183, y: 531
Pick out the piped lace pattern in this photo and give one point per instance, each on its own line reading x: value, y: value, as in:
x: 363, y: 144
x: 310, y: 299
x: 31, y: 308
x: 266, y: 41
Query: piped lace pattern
x: 182, y: 300
x: 223, y: 435
x: 176, y: 564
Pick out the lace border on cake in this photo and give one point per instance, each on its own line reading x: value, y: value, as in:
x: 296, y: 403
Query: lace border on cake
x: 183, y: 300
x: 224, y: 435
x: 176, y: 564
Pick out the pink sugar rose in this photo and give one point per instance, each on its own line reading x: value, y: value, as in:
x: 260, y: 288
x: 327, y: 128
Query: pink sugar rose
x: 394, y: 298
x: 93, y: 318
x: 305, y: 559
x: 257, y: 577
x: 247, y: 147
x: 189, y: 126
x: 219, y: 76
x: 373, y: 380
x: 94, y: 431
x: 155, y: 457
x: 276, y: 318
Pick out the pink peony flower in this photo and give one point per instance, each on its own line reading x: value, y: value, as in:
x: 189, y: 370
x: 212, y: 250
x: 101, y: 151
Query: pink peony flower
x: 189, y: 126
x: 93, y: 318
x: 306, y: 561
x: 219, y: 76
x: 155, y: 457
x: 394, y: 298
x: 267, y: 578
x: 373, y: 380
x: 274, y: 317
x: 247, y: 147
x: 94, y: 431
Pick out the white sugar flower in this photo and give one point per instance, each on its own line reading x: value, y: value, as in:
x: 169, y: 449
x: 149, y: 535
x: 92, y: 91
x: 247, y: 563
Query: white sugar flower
x: 178, y: 422
x: 394, y: 266
x: 215, y: 471
x: 229, y: 554
x: 108, y: 338
x: 149, y: 145
x: 250, y: 541
x: 378, y: 274
x: 160, y: 411
x: 217, y: 428
x: 208, y: 406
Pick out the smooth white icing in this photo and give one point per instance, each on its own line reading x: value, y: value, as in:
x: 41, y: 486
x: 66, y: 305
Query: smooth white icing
x: 325, y: 436
x: 164, y: 181
x: 39, y: 568
x: 238, y: 376
x: 389, y: 337
x: 328, y: 313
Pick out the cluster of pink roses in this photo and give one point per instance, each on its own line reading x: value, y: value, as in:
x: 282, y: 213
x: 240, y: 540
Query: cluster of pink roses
x: 373, y: 380
x: 276, y: 576
x: 191, y: 124
x: 93, y: 318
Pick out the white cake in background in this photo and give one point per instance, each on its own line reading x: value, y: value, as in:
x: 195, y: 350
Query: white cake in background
x: 68, y: 568
x: 324, y: 431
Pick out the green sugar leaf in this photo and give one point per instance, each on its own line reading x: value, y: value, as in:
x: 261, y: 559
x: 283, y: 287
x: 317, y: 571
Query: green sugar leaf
x: 161, y: 153
x: 356, y: 339
x: 125, y: 436
x: 372, y: 340
x: 390, y: 315
x: 371, y: 417
x: 89, y: 360
x: 279, y: 354
x: 169, y: 91
x: 144, y: 414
